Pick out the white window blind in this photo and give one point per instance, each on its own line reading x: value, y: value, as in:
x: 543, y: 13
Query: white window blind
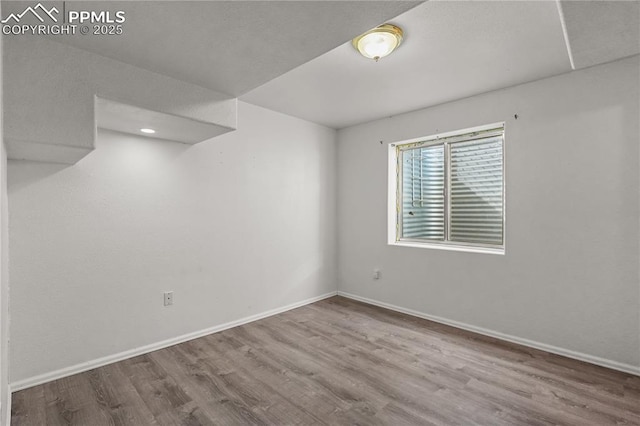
x: 476, y: 191
x: 451, y: 190
x: 423, y: 189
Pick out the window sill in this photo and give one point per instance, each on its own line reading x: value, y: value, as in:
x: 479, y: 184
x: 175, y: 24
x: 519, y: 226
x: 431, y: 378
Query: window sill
x: 450, y: 247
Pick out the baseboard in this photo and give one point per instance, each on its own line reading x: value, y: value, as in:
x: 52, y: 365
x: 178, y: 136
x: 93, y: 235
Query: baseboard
x: 89, y: 365
x: 603, y: 362
x: 79, y: 368
x: 7, y: 409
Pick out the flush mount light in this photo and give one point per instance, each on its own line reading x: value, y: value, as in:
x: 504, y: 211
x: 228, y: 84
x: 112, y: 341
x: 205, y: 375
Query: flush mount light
x: 149, y: 131
x: 378, y: 42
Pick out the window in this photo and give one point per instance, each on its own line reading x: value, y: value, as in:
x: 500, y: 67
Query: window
x: 447, y: 191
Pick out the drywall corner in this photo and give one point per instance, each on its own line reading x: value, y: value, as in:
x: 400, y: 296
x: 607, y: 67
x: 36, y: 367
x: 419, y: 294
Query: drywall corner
x: 5, y: 393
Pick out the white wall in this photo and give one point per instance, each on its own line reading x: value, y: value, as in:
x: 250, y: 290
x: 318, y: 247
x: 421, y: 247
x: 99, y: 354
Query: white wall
x: 570, y: 274
x: 235, y: 226
x: 5, y: 395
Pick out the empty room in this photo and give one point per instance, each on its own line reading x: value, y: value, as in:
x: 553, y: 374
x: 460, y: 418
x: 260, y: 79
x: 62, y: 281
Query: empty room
x: 320, y: 212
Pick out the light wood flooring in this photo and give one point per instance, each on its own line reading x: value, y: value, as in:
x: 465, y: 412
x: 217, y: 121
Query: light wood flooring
x: 338, y: 362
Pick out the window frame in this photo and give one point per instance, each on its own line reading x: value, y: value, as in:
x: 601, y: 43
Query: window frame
x: 395, y: 191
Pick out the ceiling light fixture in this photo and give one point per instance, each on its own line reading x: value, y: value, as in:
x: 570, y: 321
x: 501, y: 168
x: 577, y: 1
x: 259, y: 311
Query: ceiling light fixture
x: 149, y: 131
x: 378, y: 42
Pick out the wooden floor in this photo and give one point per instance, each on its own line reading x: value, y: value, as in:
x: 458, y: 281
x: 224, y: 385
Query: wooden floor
x: 338, y: 362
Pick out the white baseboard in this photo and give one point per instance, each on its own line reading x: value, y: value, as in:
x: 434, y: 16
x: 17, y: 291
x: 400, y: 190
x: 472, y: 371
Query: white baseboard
x: 89, y: 365
x: 7, y: 409
x: 614, y: 365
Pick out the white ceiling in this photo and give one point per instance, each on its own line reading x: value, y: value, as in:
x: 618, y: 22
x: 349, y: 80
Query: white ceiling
x: 295, y: 56
x: 130, y: 119
x: 227, y: 46
x: 602, y: 31
x: 452, y: 50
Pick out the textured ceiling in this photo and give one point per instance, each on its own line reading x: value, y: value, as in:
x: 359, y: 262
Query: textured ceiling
x: 602, y: 31
x: 451, y: 50
x: 295, y: 56
x: 454, y: 50
x: 228, y: 46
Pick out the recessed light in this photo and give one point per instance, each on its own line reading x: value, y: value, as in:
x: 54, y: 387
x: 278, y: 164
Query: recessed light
x: 149, y: 131
x: 378, y: 42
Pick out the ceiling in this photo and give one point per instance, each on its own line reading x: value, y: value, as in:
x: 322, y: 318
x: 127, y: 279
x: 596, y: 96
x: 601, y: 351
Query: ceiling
x: 125, y: 118
x: 227, y: 46
x: 295, y: 56
x: 601, y: 31
x: 453, y: 50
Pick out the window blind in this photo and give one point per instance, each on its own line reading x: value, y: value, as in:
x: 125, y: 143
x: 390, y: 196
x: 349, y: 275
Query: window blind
x: 423, y: 193
x: 476, y: 191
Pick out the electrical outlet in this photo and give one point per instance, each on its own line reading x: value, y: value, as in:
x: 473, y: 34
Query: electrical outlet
x: 376, y: 274
x: 168, y: 298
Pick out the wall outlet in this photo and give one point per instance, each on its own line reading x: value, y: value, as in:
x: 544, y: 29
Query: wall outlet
x: 168, y: 298
x: 376, y: 274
